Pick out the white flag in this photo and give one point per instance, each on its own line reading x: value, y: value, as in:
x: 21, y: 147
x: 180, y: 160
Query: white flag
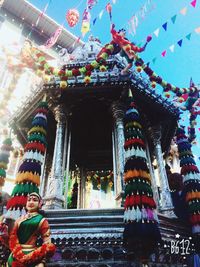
x: 156, y: 32
x: 171, y: 48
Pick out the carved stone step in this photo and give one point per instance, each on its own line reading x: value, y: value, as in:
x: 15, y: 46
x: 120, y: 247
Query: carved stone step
x: 66, y: 223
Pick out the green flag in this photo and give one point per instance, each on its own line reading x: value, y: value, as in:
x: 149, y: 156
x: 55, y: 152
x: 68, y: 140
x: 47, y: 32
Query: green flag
x: 173, y: 19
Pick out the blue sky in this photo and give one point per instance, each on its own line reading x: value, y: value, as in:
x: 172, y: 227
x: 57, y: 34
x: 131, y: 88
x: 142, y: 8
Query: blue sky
x: 177, y: 67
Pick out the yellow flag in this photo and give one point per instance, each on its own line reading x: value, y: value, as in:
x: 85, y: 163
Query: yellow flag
x: 85, y: 27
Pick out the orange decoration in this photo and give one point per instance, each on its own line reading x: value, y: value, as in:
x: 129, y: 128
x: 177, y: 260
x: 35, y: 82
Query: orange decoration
x: 72, y: 17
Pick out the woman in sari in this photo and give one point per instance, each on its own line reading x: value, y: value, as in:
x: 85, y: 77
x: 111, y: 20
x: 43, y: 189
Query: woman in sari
x: 23, y: 238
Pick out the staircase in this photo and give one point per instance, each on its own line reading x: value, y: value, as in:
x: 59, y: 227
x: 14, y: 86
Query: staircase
x: 95, y: 238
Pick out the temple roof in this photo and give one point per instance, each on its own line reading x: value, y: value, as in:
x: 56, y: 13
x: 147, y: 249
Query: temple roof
x: 108, y: 86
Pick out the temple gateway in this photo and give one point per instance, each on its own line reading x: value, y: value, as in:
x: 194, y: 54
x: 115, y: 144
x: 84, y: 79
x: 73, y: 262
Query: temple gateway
x: 82, y: 183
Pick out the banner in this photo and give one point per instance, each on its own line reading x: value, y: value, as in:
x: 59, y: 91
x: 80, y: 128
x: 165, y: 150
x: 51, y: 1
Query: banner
x: 53, y: 39
x: 179, y: 43
x: 182, y: 11
x: 85, y: 27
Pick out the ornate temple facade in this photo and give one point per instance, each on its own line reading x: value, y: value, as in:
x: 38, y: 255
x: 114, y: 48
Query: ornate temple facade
x: 82, y: 180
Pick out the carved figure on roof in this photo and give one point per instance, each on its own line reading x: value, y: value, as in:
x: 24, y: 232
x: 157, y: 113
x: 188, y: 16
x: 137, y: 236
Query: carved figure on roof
x: 89, y: 50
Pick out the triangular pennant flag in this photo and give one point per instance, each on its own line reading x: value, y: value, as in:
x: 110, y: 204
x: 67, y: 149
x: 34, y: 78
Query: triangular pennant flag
x: 94, y: 21
x: 171, y: 48
x: 197, y: 30
x: 114, y: 1
x: 191, y: 83
x: 173, y: 19
x: 156, y: 32
x: 188, y: 36
x: 183, y: 11
x: 164, y: 53
x: 101, y: 14
x: 180, y: 42
x: 130, y: 93
x: 193, y: 3
x: 165, y: 26
x: 154, y: 60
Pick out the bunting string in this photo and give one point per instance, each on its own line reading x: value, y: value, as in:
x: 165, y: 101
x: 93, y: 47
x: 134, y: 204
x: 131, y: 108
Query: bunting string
x: 178, y: 43
x: 164, y: 26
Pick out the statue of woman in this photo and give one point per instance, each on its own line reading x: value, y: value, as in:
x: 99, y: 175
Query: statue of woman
x: 23, y: 238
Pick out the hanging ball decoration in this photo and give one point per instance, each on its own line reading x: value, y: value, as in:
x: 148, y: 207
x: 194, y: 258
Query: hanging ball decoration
x: 139, y: 69
x: 180, y: 99
x: 63, y: 84
x: 103, y: 68
x: 72, y: 17
x: 87, y: 79
x: 153, y: 84
x: 167, y: 95
x: 46, y: 78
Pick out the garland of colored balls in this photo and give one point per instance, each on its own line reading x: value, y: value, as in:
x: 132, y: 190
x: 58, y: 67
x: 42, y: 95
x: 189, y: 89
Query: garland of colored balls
x: 4, y: 159
x: 155, y: 79
x: 99, y: 63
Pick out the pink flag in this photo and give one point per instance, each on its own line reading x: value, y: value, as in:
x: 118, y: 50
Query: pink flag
x: 53, y: 39
x: 91, y: 3
x: 197, y: 30
x: 193, y: 3
x: 164, y: 53
x: 183, y: 11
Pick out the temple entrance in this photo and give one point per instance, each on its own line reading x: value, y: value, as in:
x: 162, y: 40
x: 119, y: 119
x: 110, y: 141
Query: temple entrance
x: 91, y: 184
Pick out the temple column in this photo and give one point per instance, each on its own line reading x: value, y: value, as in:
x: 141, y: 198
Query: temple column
x: 66, y: 170
x: 45, y: 175
x: 118, y: 115
x: 54, y: 198
x: 166, y: 205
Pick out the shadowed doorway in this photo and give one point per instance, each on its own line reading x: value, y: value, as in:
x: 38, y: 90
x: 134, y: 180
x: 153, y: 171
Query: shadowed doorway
x: 91, y: 160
